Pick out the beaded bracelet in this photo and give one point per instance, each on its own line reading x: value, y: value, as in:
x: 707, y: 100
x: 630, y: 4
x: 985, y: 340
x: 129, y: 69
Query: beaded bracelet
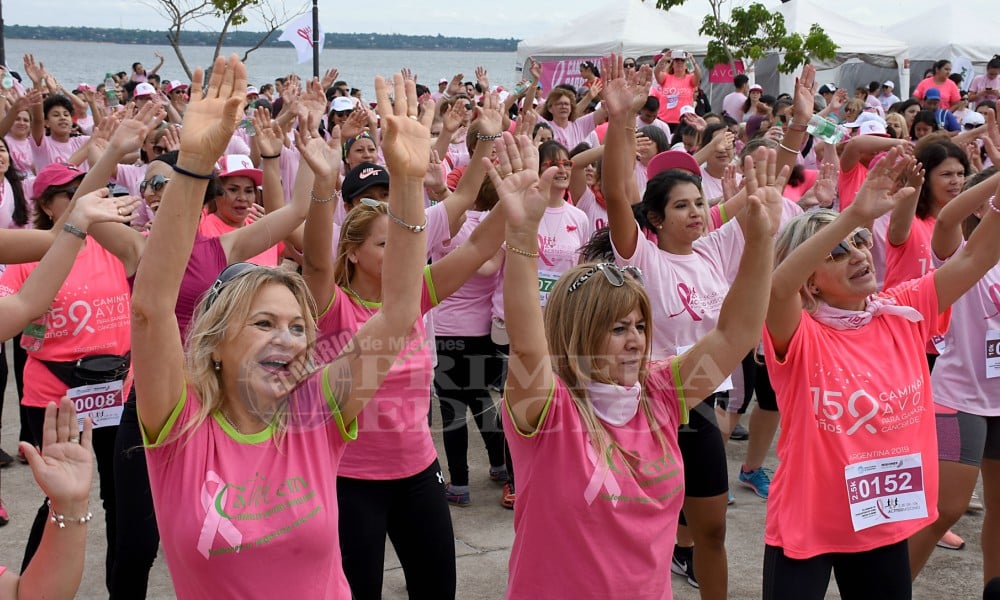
x: 184, y: 171
x: 993, y: 205
x: 317, y: 200
x: 63, y: 519
x: 73, y: 229
x: 404, y: 224
x: 517, y: 250
x: 489, y: 138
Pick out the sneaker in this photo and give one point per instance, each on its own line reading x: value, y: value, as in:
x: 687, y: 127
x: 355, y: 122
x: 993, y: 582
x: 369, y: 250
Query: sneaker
x: 739, y: 433
x: 457, y: 498
x: 975, y: 503
x: 731, y: 500
x: 682, y: 563
x: 4, y: 517
x: 508, y: 497
x: 758, y: 480
x: 498, y: 474
x: 6, y: 460
x: 951, y: 541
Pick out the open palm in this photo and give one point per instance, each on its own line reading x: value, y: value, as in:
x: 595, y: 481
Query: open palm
x: 210, y: 119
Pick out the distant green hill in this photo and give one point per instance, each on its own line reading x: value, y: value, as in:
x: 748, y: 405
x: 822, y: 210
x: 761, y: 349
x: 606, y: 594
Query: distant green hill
x: 380, y: 41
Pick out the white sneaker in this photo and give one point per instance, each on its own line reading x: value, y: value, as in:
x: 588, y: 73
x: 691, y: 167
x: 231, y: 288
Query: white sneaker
x: 975, y: 503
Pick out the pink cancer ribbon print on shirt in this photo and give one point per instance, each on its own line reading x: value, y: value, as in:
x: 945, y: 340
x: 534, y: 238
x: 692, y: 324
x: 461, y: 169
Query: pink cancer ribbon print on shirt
x: 215, y: 523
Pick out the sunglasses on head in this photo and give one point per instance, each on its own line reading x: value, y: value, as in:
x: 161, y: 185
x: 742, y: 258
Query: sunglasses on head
x: 156, y: 182
x: 565, y: 163
x: 228, y: 274
x: 860, y: 239
x: 614, y: 275
x: 373, y: 203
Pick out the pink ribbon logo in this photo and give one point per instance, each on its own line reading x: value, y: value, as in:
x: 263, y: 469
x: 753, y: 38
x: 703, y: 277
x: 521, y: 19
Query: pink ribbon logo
x: 601, y: 477
x: 686, y: 294
x: 306, y: 34
x: 214, y: 522
x: 541, y: 252
x: 995, y: 297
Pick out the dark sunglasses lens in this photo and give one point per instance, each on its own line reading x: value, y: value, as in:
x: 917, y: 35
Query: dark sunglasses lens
x: 839, y: 251
x: 863, y: 239
x: 613, y: 274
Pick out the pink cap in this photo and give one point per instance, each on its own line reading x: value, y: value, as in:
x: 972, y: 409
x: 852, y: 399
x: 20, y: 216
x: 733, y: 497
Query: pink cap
x: 239, y: 165
x: 672, y: 159
x: 54, y: 175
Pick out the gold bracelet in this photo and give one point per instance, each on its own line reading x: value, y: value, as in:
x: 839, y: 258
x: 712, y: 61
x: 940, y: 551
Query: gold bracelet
x: 630, y: 129
x: 517, y: 250
x: 787, y: 149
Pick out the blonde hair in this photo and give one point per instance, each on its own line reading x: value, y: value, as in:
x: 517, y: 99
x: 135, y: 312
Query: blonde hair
x: 898, y: 123
x: 355, y: 230
x: 796, y: 231
x: 216, y: 320
x: 574, y: 343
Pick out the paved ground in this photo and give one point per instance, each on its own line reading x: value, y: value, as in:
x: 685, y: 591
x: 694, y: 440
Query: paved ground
x: 484, y: 534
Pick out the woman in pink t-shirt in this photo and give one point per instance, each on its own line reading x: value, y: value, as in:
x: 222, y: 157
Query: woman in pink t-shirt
x: 675, y: 86
x: 568, y: 128
x: 15, y: 128
x: 858, y: 472
x: 966, y: 382
x: 592, y: 423
x: 939, y: 79
x: 243, y: 443
x: 987, y: 86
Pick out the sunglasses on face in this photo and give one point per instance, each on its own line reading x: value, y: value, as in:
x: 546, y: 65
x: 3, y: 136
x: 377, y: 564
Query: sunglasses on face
x: 614, y: 275
x: 629, y: 65
x: 156, y: 182
x: 343, y: 113
x: 969, y: 126
x: 564, y: 163
x: 860, y: 240
x: 68, y: 191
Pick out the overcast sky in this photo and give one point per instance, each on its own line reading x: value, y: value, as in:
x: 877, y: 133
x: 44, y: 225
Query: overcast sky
x: 472, y: 18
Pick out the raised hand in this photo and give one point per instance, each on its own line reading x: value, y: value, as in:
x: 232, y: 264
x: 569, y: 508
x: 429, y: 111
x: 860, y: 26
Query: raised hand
x: 761, y: 180
x: 408, y: 74
x: 455, y: 85
x: 329, y: 78
x: 455, y: 116
x: 975, y: 158
x: 483, y: 79
x: 407, y: 139
x: 535, y: 69
x: 596, y: 87
x: 489, y: 115
x: 434, y: 179
x: 825, y: 187
x: 100, y: 206
x: 65, y: 467
x: 355, y: 124
x: 322, y: 156
x: 34, y: 70
x: 131, y: 132
x: 526, y: 123
x: 268, y: 139
x: 171, y: 139
x: 879, y: 194
x: 619, y: 92
x: 314, y: 99
x: 839, y: 99
x: 211, y: 117
x: 522, y: 192
x: 805, y: 85
x: 729, y: 186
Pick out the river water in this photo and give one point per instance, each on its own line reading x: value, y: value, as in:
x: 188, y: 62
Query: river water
x: 76, y: 62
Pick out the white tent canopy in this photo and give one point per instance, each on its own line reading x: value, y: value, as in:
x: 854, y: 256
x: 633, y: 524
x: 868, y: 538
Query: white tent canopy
x: 968, y: 30
x: 629, y: 27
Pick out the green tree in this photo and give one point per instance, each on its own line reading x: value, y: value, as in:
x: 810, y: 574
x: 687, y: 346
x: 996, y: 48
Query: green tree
x: 233, y: 13
x: 748, y: 33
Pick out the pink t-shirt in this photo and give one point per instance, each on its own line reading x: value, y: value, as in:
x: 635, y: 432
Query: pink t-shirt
x: 467, y: 312
x: 961, y: 378
x: 639, y: 124
x: 90, y: 315
x: 242, y: 516
x: 849, y: 397
x: 561, y: 233
x: 949, y: 91
x: 131, y: 177
x: 686, y: 290
x: 880, y: 233
x: 212, y: 226
x: 849, y: 182
x: 396, y: 440
x: 21, y: 155
x: 981, y: 83
x: 674, y: 92
x: 732, y: 105
x: 913, y: 258
x: 597, y: 215
x: 51, y: 151
x: 207, y: 261
x: 7, y: 205
x: 574, y: 132
x: 587, y: 529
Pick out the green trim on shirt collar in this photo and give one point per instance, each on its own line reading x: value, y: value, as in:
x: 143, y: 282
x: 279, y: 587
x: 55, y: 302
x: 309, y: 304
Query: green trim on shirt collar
x: 242, y: 438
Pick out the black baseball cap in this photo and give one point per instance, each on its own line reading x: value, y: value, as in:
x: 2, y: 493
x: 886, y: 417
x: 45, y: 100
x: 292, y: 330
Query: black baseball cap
x: 362, y: 177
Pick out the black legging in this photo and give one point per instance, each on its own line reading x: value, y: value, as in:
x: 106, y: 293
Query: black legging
x: 882, y: 573
x: 466, y: 366
x: 415, y: 515
x: 137, y: 537
x: 104, y: 448
x: 20, y: 357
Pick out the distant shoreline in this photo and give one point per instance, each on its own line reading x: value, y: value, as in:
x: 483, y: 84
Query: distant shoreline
x: 352, y: 41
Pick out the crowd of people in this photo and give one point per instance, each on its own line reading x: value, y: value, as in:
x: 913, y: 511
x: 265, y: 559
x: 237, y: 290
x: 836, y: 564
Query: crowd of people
x: 242, y: 301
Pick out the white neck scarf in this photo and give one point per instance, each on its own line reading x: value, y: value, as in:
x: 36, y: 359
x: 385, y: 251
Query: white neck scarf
x: 614, y: 404
x: 840, y: 319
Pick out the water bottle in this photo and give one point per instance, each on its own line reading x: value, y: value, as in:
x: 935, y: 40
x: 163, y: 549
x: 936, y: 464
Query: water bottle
x: 8, y: 80
x: 826, y: 130
x: 110, y: 91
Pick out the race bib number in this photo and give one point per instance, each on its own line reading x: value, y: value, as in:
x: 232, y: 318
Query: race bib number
x: 992, y: 354
x: 673, y: 100
x: 546, y: 281
x: 102, y: 402
x: 886, y: 491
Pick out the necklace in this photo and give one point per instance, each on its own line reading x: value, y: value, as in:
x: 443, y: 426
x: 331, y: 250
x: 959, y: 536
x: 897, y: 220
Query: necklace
x: 225, y: 416
x: 364, y: 303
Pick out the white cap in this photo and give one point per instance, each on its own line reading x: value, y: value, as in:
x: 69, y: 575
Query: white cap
x: 872, y: 128
x: 973, y: 118
x: 687, y: 109
x: 143, y: 89
x: 342, y: 103
x: 889, y: 84
x: 866, y: 117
